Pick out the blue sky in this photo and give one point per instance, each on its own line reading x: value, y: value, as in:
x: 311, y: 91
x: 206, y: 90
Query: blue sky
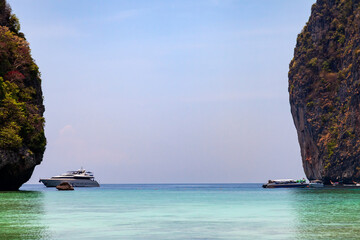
x: 166, y: 91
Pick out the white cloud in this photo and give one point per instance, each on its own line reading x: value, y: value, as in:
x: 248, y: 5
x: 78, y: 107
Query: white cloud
x: 66, y: 129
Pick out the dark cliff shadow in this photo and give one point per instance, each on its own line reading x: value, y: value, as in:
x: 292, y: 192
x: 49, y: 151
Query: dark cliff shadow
x: 21, y: 215
x: 326, y: 213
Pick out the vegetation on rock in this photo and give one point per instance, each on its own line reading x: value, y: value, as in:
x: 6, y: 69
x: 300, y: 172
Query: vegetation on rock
x: 324, y: 87
x: 21, y: 121
x: 21, y: 101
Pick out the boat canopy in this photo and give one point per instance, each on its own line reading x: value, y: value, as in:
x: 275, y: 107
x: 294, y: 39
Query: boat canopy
x: 316, y: 181
x: 284, y: 181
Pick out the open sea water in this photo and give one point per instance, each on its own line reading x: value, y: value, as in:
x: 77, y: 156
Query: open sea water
x: 179, y: 211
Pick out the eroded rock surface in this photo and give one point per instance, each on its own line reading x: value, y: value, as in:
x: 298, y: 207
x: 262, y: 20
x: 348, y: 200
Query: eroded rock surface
x: 324, y: 87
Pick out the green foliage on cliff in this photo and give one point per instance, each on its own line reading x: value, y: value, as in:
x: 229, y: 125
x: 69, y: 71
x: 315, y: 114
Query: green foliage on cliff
x: 21, y: 107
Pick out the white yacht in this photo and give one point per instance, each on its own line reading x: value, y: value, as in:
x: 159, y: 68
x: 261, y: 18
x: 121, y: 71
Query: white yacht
x: 79, y: 178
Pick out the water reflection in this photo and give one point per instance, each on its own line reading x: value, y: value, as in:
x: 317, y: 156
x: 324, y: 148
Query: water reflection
x: 21, y: 215
x: 327, y: 213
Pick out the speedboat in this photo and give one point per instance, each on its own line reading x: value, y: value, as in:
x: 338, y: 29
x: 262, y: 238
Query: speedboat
x: 79, y: 178
x: 285, y: 183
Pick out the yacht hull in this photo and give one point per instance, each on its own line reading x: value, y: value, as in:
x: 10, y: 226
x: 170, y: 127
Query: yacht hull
x: 72, y: 182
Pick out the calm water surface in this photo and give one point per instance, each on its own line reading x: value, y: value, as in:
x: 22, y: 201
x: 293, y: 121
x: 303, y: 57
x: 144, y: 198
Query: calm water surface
x: 180, y: 211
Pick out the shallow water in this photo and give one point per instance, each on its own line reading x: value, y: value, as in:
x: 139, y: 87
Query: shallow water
x: 179, y: 211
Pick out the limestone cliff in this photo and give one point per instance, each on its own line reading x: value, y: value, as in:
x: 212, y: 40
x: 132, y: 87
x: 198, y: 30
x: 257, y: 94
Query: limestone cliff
x: 22, y: 139
x: 324, y: 87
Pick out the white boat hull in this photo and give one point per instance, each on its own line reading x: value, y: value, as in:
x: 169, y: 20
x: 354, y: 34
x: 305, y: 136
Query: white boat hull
x: 316, y: 185
x: 285, y: 185
x: 73, y: 182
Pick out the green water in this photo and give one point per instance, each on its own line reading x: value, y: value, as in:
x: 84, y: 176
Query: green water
x: 206, y: 211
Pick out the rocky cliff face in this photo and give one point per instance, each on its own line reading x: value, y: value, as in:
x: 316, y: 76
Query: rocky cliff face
x: 22, y: 139
x: 324, y: 87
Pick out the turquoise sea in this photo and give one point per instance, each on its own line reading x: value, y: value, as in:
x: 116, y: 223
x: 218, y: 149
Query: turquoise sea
x: 179, y: 211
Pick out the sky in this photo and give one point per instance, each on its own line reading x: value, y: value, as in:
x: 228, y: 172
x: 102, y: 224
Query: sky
x: 176, y: 91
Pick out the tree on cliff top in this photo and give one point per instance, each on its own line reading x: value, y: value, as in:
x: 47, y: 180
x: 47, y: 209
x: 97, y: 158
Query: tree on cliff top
x: 8, y: 19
